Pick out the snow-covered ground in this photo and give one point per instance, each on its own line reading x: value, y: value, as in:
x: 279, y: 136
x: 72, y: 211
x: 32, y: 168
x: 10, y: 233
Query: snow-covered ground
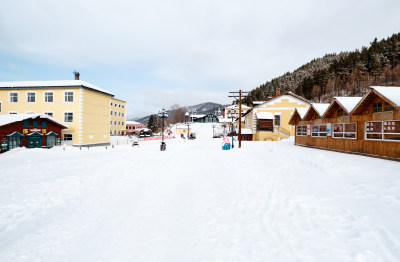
x: 269, y: 201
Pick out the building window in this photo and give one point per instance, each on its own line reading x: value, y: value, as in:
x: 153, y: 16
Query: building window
x: 277, y: 120
x: 30, y: 97
x: 318, y: 131
x: 115, y: 113
x: 388, y: 107
x: 68, y: 96
x: 377, y: 107
x: 68, y: 117
x: 48, y: 97
x: 111, y: 103
x: 110, y: 123
x: 123, y: 106
x: 115, y: 132
x: 0, y: 107
x: 265, y: 125
x: 120, y: 106
x: 115, y: 123
x: 122, y: 113
x: 119, y: 123
x: 122, y: 123
x: 316, y: 116
x: 382, y: 130
x: 12, y: 113
x: 50, y: 141
x: 301, y: 131
x: 115, y: 105
x: 119, y: 114
x: 341, y: 112
x: 111, y: 112
x: 67, y: 137
x: 13, y: 97
x: 30, y: 112
x: 345, y: 130
x: 49, y: 113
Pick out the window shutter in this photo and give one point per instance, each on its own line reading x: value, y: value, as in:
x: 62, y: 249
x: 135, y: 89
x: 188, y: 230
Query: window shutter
x: 44, y: 124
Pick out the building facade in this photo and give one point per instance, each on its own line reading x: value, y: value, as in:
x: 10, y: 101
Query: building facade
x: 269, y: 121
x: 117, y: 117
x: 29, y: 130
x: 132, y: 126
x: 369, y: 125
x: 82, y: 107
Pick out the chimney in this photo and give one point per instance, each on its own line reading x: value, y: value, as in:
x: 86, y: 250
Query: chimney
x: 76, y: 75
x: 277, y: 92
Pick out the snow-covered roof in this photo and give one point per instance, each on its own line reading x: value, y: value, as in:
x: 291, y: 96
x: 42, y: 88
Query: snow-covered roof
x: 133, y: 123
x: 197, y: 116
x: 390, y: 92
x: 12, y: 118
x: 226, y: 120
x: 181, y: 126
x: 237, y: 107
x: 265, y: 115
x: 302, y: 111
x: 246, y: 131
x: 348, y: 102
x: 59, y: 83
x: 320, y: 107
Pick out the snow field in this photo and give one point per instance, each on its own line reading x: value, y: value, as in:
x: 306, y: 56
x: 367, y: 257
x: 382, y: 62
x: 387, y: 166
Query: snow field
x: 269, y: 201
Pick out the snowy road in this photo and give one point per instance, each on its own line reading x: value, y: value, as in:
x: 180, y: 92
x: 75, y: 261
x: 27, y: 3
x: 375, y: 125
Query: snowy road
x: 269, y: 201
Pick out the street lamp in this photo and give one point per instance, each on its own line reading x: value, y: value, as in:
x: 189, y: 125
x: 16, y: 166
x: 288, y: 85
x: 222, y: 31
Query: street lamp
x: 188, y: 125
x: 163, y: 115
x: 233, y: 128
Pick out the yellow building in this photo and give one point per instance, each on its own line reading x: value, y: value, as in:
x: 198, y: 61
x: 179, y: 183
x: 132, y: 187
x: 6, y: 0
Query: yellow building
x: 118, y: 117
x: 83, y: 107
x: 233, y: 111
x: 269, y: 121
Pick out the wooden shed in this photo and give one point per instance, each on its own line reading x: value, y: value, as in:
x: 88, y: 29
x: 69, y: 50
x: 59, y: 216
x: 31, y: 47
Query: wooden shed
x: 367, y: 125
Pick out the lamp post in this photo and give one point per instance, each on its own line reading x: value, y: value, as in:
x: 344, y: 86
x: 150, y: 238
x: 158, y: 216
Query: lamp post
x: 163, y: 115
x: 233, y: 128
x: 188, y: 131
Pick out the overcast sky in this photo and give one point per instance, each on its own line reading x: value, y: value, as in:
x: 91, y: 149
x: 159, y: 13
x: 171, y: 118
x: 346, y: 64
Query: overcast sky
x: 157, y: 53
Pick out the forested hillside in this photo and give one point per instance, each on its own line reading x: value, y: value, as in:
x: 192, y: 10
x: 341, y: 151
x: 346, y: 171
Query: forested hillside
x: 344, y: 74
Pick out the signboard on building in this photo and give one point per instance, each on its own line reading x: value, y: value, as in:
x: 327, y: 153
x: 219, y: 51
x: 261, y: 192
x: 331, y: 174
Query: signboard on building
x: 4, y: 145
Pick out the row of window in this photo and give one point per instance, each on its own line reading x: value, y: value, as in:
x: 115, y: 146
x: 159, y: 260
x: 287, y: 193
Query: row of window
x: 48, y: 97
x: 115, y: 123
x: 116, y: 132
x: 115, y: 104
x: 119, y: 113
x: 374, y: 130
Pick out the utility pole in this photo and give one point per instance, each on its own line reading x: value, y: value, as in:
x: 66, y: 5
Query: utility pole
x: 237, y: 95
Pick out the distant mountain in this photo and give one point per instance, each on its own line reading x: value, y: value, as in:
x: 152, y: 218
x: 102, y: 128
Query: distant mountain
x: 204, y: 108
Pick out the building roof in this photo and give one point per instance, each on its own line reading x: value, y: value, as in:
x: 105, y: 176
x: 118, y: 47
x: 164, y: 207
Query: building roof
x: 48, y: 84
x: 320, y: 108
x: 348, y: 103
x: 246, y: 131
x: 12, y: 118
x: 390, y: 92
x: 265, y: 115
x: 133, y: 123
x: 237, y: 107
x: 301, y: 111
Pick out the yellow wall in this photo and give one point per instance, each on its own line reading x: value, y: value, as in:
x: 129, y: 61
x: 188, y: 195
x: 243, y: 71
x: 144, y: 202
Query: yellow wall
x: 118, y: 108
